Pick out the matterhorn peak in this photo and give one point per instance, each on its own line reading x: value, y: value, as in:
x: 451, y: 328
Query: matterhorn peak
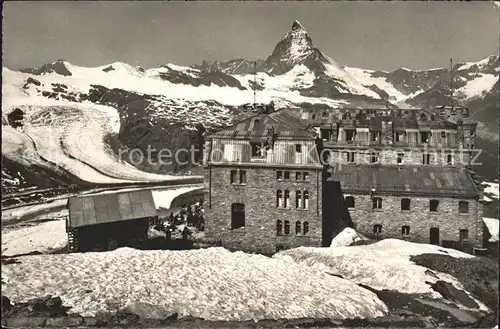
x: 297, y: 26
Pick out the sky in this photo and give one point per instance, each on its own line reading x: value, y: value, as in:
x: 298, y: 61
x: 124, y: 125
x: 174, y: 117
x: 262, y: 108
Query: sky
x: 372, y: 35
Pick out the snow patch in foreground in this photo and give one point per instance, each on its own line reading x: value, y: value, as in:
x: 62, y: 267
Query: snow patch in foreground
x: 45, y: 237
x: 492, y: 225
x: 19, y: 212
x: 382, y: 265
x: 211, y: 283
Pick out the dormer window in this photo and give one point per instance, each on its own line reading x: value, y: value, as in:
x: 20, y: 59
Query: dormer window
x: 256, y: 122
x: 349, y: 135
x: 424, y: 137
x: 443, y: 134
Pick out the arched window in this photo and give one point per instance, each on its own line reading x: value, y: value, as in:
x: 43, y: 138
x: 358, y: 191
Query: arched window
x: 297, y: 227
x: 306, y: 228
x: 287, y: 199
x: 405, y: 230
x: 298, y: 199
x: 279, y: 199
x: 279, y: 227
x: 377, y: 228
x: 405, y: 204
x: 287, y: 227
x: 306, y: 199
x: 349, y: 201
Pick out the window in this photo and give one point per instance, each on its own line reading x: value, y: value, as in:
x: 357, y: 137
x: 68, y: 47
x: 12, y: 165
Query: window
x: 259, y: 150
x: 234, y: 173
x: 279, y: 227
x: 449, y: 160
x: 472, y: 133
x: 377, y: 228
x: 314, y: 116
x: 443, y: 134
x: 298, y: 199
x: 256, y: 121
x: 350, y: 157
x: 306, y: 228
x: 349, y: 201
x: 424, y: 137
x: 287, y: 199
x: 305, y: 175
x: 287, y: 227
x: 374, y: 158
x: 324, y: 115
x: 349, y: 135
x: 279, y: 174
x: 426, y: 159
x: 298, y: 175
x: 433, y: 205
x: 243, y: 177
x: 463, y: 207
x: 306, y: 199
x: 374, y: 136
x: 237, y: 215
x: 377, y: 203
x: 279, y: 199
x: 401, y: 156
x: 287, y: 175
x: 400, y: 136
x: 297, y: 227
x: 405, y: 230
x: 298, y: 148
x: 405, y: 204
x: 464, y: 235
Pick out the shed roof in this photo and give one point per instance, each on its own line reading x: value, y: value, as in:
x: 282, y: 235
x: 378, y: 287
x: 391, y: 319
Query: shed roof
x: 106, y: 208
x: 413, y: 180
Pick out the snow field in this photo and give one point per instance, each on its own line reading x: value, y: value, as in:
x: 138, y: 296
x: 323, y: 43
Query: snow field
x: 211, y: 283
x: 382, y: 265
x: 45, y: 237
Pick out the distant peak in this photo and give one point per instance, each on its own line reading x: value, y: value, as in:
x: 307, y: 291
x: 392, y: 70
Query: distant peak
x: 297, y: 26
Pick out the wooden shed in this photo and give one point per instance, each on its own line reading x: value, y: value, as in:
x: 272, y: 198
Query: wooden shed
x: 109, y: 218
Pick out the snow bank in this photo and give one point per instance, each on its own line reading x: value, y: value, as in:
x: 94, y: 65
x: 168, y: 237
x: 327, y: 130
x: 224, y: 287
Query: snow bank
x: 211, y: 283
x: 20, y: 212
x: 345, y: 238
x: 492, y: 225
x: 45, y: 237
x: 382, y: 265
x: 478, y: 86
x: 164, y: 198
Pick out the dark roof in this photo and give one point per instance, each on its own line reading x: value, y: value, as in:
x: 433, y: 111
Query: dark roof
x: 417, y: 180
x: 112, y: 207
x: 285, y: 125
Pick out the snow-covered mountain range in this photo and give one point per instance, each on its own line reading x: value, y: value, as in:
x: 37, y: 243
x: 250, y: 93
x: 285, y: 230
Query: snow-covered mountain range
x: 171, y: 106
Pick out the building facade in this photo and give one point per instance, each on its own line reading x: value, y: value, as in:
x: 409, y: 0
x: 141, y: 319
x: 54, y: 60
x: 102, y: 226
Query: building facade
x: 264, y: 185
x: 295, y: 177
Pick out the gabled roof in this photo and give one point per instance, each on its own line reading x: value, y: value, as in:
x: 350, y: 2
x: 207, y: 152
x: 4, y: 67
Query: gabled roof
x: 111, y: 207
x: 410, y: 180
x: 285, y: 125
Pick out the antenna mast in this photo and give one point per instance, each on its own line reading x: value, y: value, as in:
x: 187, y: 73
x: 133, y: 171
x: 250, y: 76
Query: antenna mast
x: 254, y: 83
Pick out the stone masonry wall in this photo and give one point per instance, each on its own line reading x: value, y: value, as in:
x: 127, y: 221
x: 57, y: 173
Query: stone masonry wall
x: 261, y: 212
x: 418, y: 218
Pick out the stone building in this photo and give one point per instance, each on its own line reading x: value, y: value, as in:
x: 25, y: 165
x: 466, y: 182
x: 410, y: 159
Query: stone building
x: 280, y: 179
